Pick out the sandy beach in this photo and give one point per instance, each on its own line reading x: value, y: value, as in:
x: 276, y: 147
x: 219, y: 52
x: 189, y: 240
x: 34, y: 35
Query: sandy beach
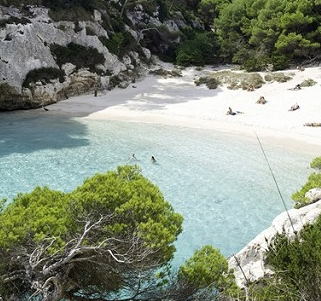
x: 178, y: 101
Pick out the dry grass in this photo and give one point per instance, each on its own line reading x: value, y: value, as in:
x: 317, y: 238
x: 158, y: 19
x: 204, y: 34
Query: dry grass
x: 278, y: 77
x: 233, y: 80
x: 240, y: 80
x: 308, y: 83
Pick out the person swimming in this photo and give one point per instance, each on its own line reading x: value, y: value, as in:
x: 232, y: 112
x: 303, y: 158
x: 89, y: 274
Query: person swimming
x: 153, y: 160
x: 132, y: 158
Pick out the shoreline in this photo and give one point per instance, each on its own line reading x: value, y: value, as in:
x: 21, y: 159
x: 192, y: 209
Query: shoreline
x: 177, y: 101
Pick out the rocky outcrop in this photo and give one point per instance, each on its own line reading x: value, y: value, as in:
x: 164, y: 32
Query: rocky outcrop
x: 249, y: 263
x: 313, y: 195
x: 26, y: 37
x: 25, y: 46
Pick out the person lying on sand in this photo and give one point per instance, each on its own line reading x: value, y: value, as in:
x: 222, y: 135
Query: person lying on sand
x: 297, y: 87
x: 294, y: 107
x: 231, y: 112
x: 261, y: 100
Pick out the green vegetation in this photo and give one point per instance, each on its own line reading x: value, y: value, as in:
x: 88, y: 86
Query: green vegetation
x: 278, y: 77
x: 120, y: 43
x: 43, y: 75
x: 258, y: 35
x: 314, y: 181
x: 295, y: 261
x: 14, y: 20
x: 80, y: 56
x: 316, y: 163
x: 297, y: 265
x: 202, y: 49
x: 208, y: 270
x: 107, y: 234
x: 308, y: 83
x: 111, y: 236
x: 233, y: 80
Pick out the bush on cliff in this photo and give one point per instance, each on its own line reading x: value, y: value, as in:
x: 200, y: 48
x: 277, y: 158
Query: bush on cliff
x: 80, y: 56
x: 297, y: 266
x: 43, y: 75
x: 314, y: 181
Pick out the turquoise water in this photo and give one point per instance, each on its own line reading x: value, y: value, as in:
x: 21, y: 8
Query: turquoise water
x: 219, y: 182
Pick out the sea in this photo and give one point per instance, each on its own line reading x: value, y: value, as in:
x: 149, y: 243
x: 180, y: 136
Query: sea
x: 223, y: 184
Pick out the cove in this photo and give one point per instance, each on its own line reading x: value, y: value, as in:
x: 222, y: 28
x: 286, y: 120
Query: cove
x: 219, y: 181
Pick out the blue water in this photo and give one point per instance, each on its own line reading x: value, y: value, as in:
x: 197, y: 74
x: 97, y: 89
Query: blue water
x: 219, y: 182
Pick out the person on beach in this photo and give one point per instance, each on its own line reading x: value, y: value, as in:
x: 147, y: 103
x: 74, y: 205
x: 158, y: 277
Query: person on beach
x: 152, y: 159
x: 261, y: 100
x: 294, y: 107
x: 230, y: 111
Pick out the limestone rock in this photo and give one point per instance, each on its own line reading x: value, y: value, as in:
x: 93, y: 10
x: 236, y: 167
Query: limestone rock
x: 313, y: 195
x: 249, y: 263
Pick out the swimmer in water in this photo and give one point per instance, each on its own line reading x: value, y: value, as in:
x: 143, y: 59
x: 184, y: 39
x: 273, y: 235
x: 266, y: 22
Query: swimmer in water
x: 131, y: 158
x: 153, y: 159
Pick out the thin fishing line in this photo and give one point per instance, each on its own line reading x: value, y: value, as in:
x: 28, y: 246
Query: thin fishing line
x: 276, y: 183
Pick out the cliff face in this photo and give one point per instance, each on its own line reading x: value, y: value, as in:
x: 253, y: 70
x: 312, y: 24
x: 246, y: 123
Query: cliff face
x: 26, y: 39
x: 249, y: 264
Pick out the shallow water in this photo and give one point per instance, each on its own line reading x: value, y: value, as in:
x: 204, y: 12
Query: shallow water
x: 219, y: 182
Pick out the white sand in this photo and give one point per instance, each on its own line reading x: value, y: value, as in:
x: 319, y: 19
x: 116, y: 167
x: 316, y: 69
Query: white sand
x: 178, y: 101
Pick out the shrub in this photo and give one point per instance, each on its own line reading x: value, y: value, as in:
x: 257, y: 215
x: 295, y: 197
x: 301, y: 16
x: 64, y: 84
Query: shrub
x: 233, y: 80
x: 314, y: 181
x: 44, y: 75
x: 308, y: 83
x: 207, y: 269
x: 14, y: 20
x: 278, y: 77
x: 81, y: 56
x: 297, y: 265
x: 120, y: 43
x: 316, y: 163
x: 210, y: 82
x: 90, y: 31
x: 72, y: 14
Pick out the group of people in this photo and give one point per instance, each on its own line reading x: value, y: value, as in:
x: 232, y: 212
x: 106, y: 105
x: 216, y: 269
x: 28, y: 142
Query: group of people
x: 133, y: 157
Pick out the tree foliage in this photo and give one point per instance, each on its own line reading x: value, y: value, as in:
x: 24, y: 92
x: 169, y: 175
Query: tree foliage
x: 265, y: 30
x: 207, y: 268
x: 202, y: 49
x: 105, y: 236
x: 297, y: 266
x: 314, y: 181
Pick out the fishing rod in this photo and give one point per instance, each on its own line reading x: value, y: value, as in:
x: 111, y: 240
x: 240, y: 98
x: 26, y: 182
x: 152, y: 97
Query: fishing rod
x: 276, y: 183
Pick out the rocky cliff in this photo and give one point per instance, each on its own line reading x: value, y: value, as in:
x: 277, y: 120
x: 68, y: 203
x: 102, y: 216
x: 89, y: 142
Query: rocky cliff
x: 249, y: 263
x: 35, y: 69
